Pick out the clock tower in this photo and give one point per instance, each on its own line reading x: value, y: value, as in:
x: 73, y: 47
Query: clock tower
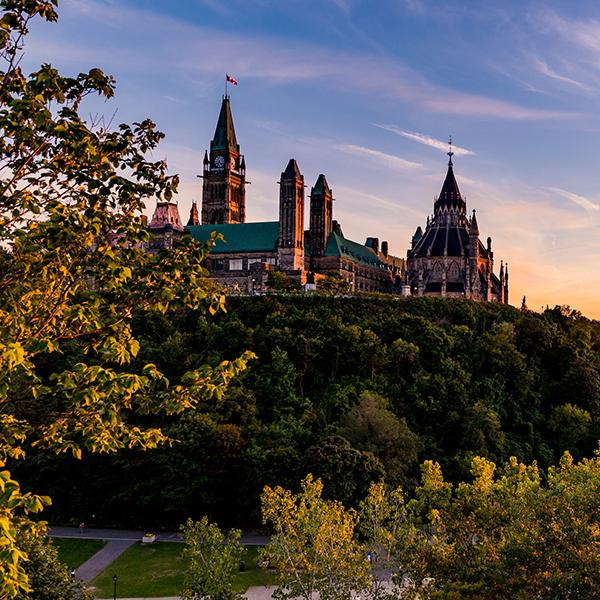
x: 224, y: 174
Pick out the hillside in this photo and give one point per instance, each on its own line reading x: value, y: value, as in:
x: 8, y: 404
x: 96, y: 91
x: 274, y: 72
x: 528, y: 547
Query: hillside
x: 351, y: 389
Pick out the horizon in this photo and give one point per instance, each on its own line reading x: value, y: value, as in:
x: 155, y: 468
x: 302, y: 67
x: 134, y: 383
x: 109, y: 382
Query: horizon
x: 522, y: 122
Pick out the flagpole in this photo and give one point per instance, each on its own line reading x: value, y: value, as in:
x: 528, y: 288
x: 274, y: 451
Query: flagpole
x: 225, y: 85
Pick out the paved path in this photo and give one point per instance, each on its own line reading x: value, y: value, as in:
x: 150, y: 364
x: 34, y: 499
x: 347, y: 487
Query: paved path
x: 104, y: 557
x: 118, y: 540
x: 251, y: 539
x: 253, y: 593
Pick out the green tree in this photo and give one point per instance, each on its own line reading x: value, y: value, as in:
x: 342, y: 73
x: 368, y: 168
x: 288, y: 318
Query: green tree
x: 49, y: 578
x: 346, y: 471
x: 371, y: 427
x: 333, y: 284
x: 513, y: 536
x: 213, y: 559
x: 313, y: 549
x: 570, y: 424
x: 71, y: 198
x: 277, y: 281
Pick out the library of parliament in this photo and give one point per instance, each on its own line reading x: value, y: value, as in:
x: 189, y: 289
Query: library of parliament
x: 447, y: 258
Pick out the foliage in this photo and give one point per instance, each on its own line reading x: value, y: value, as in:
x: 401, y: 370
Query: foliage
x: 345, y: 471
x: 372, y: 427
x: 213, y: 559
x: 333, y: 284
x: 49, y: 578
x: 158, y: 569
x: 277, y: 281
x: 73, y: 272
x: 513, y: 535
x: 313, y: 548
x: 468, y: 378
x: 385, y: 526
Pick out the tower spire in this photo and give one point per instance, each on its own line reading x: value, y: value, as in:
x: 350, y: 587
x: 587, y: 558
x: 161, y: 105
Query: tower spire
x: 450, y: 153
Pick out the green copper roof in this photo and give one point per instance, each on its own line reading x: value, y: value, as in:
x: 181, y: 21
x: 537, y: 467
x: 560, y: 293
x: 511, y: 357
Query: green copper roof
x: 225, y: 132
x: 340, y: 246
x: 240, y: 237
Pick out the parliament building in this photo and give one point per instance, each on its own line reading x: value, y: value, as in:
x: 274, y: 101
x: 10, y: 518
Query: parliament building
x: 447, y: 259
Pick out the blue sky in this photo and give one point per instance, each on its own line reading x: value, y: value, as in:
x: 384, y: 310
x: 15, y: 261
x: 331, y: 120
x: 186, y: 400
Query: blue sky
x: 368, y: 92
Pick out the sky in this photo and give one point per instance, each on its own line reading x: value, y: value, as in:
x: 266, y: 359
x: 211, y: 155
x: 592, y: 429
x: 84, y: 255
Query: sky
x: 368, y: 92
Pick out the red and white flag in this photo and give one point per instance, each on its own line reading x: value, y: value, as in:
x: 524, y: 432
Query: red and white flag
x: 230, y: 79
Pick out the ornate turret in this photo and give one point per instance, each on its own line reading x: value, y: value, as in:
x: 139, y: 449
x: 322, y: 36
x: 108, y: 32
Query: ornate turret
x: 224, y: 174
x: 321, y: 215
x: 165, y: 227
x: 291, y: 218
x: 194, y: 219
x: 166, y: 214
x: 450, y: 197
x: 224, y: 138
x: 474, y: 227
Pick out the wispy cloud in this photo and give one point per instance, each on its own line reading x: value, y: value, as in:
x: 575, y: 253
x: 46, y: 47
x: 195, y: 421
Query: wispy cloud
x: 548, y: 71
x: 426, y: 140
x: 585, y: 34
x: 278, y: 60
x: 389, y: 160
x: 575, y: 198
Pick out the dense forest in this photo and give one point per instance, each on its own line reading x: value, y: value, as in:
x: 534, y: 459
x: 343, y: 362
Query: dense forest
x: 352, y: 390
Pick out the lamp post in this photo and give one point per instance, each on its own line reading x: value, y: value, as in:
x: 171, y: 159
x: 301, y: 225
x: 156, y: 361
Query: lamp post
x: 115, y: 587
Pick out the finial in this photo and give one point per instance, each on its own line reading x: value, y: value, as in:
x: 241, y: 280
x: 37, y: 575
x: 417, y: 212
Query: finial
x: 450, y: 153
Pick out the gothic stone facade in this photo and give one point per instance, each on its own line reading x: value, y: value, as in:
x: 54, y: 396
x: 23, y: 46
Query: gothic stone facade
x: 447, y: 259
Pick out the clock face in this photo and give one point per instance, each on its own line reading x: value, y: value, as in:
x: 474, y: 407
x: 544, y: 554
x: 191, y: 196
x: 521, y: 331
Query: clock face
x: 219, y: 162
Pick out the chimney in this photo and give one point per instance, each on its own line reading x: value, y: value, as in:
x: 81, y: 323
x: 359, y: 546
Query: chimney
x: 373, y: 243
x: 384, y: 248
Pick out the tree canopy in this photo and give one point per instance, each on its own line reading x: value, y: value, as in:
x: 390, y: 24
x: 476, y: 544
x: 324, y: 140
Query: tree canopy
x: 73, y: 271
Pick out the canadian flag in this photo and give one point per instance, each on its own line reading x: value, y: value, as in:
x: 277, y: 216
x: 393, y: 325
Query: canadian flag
x: 230, y: 79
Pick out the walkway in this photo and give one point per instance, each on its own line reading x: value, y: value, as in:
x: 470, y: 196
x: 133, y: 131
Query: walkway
x: 253, y: 593
x: 250, y: 539
x: 118, y: 540
x: 92, y: 567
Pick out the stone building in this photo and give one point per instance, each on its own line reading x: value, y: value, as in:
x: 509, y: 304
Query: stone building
x: 247, y: 252
x: 448, y: 258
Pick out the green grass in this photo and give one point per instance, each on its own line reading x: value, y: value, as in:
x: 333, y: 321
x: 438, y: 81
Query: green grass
x: 74, y: 552
x: 253, y: 575
x: 158, y: 570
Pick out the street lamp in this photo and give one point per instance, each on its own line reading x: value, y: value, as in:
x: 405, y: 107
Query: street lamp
x: 115, y: 587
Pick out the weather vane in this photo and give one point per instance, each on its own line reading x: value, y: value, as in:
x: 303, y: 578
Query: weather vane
x: 450, y: 153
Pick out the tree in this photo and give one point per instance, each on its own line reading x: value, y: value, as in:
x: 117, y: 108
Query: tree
x: 74, y: 269
x: 346, y: 472
x: 313, y: 549
x: 278, y: 281
x: 371, y: 427
x: 385, y: 526
x: 49, y: 578
x: 517, y: 535
x: 570, y: 424
x: 213, y: 559
x: 333, y: 284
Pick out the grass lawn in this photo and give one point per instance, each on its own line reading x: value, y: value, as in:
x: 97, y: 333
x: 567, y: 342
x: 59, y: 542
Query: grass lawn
x: 157, y: 570
x: 74, y: 552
